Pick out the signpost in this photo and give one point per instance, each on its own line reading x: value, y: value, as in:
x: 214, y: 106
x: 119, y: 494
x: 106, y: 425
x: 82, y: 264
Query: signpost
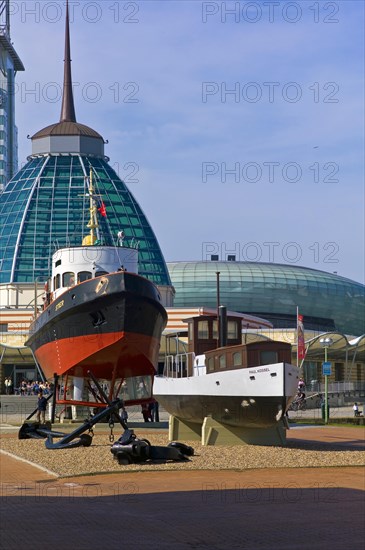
x: 326, y: 372
x: 327, y: 368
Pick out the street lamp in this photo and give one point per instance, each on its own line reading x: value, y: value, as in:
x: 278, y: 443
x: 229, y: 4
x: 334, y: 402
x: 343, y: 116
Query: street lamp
x: 326, y: 343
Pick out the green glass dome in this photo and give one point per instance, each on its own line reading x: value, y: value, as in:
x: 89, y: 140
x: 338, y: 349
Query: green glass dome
x: 273, y: 291
x: 45, y: 207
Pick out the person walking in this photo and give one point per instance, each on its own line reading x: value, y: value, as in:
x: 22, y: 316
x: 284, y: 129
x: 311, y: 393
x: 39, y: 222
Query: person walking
x: 153, y: 407
x: 41, y: 408
x: 146, y: 413
x: 7, y: 386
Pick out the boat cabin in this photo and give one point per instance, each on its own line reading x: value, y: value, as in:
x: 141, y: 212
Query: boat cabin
x: 75, y: 265
x: 203, y: 332
x: 254, y: 354
x: 214, y: 348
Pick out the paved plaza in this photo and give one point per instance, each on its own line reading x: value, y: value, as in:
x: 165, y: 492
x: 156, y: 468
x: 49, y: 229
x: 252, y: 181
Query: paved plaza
x: 255, y: 509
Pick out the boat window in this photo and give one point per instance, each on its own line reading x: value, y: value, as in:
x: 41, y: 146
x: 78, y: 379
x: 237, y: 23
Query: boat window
x: 268, y: 357
x: 237, y: 359
x: 232, y: 332
x: 68, y: 279
x: 211, y: 364
x: 215, y: 330
x: 203, y: 330
x: 83, y: 276
x: 57, y: 281
x: 222, y: 361
x: 100, y: 273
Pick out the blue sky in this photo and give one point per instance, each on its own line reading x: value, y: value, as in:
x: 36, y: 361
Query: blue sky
x: 273, y: 171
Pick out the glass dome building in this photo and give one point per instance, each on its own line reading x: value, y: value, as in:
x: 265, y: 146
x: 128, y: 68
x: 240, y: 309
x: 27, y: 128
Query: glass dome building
x: 273, y: 291
x: 46, y: 205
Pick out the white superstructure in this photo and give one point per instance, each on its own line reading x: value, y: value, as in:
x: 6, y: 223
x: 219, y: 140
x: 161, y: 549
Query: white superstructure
x: 75, y: 265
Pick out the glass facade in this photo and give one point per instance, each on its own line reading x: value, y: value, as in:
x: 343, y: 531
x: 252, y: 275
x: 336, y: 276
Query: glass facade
x: 46, y: 207
x: 10, y: 63
x: 273, y: 291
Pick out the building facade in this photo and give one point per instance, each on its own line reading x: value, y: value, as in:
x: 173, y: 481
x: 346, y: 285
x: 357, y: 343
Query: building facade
x: 327, y: 301
x: 10, y: 63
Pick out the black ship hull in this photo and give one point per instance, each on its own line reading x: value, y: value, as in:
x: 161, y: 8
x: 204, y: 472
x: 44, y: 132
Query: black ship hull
x: 111, y: 325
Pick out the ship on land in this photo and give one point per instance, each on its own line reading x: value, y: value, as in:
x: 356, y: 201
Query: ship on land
x: 99, y: 315
x: 238, y: 385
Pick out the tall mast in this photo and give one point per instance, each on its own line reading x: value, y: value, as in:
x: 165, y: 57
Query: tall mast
x: 68, y: 108
x: 93, y: 225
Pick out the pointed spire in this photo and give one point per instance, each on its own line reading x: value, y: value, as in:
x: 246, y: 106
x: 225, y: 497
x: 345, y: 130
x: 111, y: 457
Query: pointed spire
x: 68, y: 108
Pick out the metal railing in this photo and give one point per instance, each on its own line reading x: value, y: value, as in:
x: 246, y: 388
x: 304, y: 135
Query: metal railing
x: 179, y: 366
x: 336, y: 387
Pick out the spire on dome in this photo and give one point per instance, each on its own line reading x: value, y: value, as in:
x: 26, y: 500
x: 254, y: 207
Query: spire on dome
x: 68, y: 108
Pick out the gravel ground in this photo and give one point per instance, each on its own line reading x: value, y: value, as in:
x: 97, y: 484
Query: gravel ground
x: 98, y: 459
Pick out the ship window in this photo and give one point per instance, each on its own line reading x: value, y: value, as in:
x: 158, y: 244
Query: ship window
x: 215, y: 330
x: 57, y: 281
x: 232, y: 332
x: 100, y: 273
x: 237, y: 359
x: 203, y: 330
x: 211, y: 364
x: 68, y: 279
x: 222, y: 361
x: 83, y: 276
x: 268, y: 357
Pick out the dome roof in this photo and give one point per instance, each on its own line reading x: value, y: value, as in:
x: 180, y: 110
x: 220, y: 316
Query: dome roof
x: 67, y: 128
x: 46, y: 206
x: 273, y: 291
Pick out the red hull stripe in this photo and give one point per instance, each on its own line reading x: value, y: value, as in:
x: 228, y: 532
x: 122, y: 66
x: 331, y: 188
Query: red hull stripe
x: 132, y: 355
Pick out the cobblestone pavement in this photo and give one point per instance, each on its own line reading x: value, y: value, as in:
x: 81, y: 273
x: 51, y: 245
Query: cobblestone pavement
x: 218, y: 510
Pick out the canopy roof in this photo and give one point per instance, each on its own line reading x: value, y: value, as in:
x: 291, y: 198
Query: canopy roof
x: 339, y: 346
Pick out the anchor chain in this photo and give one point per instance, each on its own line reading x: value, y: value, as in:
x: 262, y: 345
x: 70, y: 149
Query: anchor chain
x: 111, y: 426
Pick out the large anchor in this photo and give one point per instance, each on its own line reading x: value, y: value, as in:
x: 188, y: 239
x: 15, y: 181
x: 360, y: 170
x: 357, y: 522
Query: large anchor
x: 77, y: 438
x: 35, y: 430
x: 129, y: 449
x: 68, y: 441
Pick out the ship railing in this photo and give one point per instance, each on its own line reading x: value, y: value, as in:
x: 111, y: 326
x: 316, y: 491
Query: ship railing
x: 168, y: 369
x: 180, y: 365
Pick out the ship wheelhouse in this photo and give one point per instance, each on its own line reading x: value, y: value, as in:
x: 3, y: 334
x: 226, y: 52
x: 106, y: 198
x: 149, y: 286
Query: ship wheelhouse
x: 76, y: 265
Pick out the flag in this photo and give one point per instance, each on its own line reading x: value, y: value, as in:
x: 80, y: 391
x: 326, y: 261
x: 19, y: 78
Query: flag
x: 102, y: 210
x: 300, y: 338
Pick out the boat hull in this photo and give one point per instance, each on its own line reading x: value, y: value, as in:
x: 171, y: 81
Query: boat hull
x: 110, y: 325
x: 249, y: 397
